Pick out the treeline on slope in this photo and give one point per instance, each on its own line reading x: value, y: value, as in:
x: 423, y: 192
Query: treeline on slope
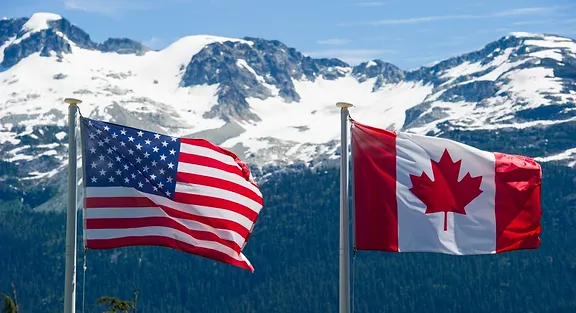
x: 15, y: 192
x: 295, y: 252
x: 532, y: 141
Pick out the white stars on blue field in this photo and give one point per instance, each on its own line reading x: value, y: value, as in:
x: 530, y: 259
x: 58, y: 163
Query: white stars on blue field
x: 120, y: 156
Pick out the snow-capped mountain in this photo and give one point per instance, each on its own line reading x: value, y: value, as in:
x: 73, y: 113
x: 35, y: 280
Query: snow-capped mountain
x: 267, y: 102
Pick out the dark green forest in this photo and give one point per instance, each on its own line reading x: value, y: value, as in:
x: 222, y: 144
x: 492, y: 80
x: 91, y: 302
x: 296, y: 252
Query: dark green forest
x: 294, y: 249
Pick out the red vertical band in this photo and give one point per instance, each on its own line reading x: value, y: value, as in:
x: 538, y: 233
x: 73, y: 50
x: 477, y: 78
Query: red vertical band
x: 374, y: 183
x: 518, y: 185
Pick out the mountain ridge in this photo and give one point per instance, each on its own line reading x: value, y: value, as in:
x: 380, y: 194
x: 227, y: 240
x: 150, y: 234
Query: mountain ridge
x: 270, y: 103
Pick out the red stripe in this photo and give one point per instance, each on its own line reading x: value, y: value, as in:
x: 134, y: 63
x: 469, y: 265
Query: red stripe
x: 119, y: 202
x: 218, y: 223
x: 518, y: 186
x: 218, y: 183
x: 208, y: 162
x: 137, y: 222
x: 133, y: 202
x: 166, y: 242
x: 245, y: 171
x: 374, y: 183
x: 214, y: 202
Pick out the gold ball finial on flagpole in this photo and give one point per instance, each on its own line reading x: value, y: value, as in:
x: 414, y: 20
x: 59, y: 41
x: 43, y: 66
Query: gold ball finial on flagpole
x: 344, y: 105
x: 72, y: 101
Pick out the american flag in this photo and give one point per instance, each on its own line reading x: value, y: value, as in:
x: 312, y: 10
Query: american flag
x: 145, y: 188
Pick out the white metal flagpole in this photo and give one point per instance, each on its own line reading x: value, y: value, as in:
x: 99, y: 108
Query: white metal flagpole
x: 344, y: 211
x: 71, y: 223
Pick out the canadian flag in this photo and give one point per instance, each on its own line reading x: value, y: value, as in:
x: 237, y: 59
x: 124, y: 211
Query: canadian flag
x: 419, y: 193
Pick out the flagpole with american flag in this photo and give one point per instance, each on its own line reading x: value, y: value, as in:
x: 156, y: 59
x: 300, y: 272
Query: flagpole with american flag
x: 71, y: 213
x: 144, y: 188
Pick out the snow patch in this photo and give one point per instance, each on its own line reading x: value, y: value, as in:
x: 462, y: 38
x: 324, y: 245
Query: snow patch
x: 314, y: 119
x: 39, y: 21
x: 465, y: 68
x: 8, y: 137
x: 243, y: 64
x: 370, y: 64
x: 36, y: 23
x: 568, y: 154
x: 526, y: 35
x: 60, y: 135
x: 532, y: 84
x: 552, y: 44
x: 48, y: 146
x: 552, y: 54
x: 519, y: 125
x: 39, y: 175
x: 20, y: 157
x: 4, y: 46
x: 499, y: 70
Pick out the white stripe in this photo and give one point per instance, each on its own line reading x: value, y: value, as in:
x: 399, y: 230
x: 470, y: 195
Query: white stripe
x: 245, y: 259
x: 95, y: 234
x: 473, y: 233
x: 200, y: 190
x: 209, y: 212
x: 209, y: 153
x: 217, y: 173
x: 120, y: 213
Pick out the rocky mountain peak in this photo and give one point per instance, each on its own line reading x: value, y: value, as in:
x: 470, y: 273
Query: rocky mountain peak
x: 254, y: 68
x: 50, y: 34
x: 10, y: 28
x: 123, y: 46
x: 516, y: 47
x: 545, y: 64
x: 384, y: 72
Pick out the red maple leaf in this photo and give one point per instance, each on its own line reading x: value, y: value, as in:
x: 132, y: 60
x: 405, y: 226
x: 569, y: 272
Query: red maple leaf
x: 445, y: 193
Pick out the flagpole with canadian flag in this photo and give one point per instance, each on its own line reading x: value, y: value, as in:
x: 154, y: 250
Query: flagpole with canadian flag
x: 344, y: 276
x: 418, y: 193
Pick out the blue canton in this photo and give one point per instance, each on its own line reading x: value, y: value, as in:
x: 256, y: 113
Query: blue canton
x: 120, y: 156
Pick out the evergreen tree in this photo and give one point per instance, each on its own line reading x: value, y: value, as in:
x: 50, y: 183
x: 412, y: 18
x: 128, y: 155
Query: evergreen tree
x: 10, y: 304
x: 115, y: 305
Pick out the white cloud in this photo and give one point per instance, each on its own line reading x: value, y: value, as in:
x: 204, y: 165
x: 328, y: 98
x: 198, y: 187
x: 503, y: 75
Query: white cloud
x: 370, y: 4
x: 115, y: 6
x: 101, y: 6
x: 535, y: 22
x: 334, y: 41
x: 557, y: 20
x: 424, y: 19
x: 153, y: 42
x: 350, y: 56
x: 448, y: 43
x: 386, y: 38
x: 501, y: 30
x: 425, y: 58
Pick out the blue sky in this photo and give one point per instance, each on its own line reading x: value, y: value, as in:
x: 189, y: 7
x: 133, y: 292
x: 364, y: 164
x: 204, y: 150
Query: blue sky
x: 407, y: 33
